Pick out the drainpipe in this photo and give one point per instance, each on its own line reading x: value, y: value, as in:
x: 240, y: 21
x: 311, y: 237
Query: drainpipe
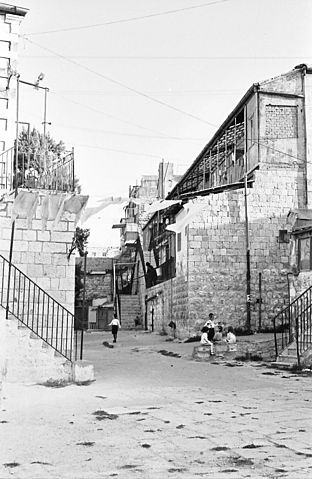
x: 306, y: 199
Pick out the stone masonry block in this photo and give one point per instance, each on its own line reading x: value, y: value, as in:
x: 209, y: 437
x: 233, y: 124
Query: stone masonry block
x: 61, y: 271
x: 62, y: 237
x: 35, y: 270
x: 42, y: 258
x: 29, y: 235
x: 45, y: 284
x: 21, y: 245
x: 35, y: 246
x: 66, y: 284
x: 55, y: 283
x: 5, y: 223
x: 6, y: 233
x: 4, y: 245
x: 58, y: 259
x: 54, y: 248
x: 27, y: 257
x: 50, y: 271
x: 43, y: 236
x: 70, y: 297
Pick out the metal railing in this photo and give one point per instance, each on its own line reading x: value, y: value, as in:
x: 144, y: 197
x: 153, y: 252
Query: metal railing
x: 38, y: 311
x: 47, y: 172
x: 294, y: 323
x: 6, y: 169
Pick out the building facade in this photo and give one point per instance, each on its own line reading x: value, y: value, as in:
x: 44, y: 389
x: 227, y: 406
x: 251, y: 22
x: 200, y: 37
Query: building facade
x: 234, y: 241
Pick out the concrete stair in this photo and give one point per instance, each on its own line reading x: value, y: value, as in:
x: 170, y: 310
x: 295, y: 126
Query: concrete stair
x: 33, y: 359
x: 288, y: 357
x: 130, y: 308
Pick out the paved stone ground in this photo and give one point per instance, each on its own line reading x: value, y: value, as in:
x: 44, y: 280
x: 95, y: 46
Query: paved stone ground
x: 152, y: 415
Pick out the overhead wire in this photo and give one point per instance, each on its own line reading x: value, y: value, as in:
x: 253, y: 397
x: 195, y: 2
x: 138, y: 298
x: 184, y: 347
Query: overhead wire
x: 122, y: 85
x: 126, y: 152
x: 108, y: 115
x: 131, y: 19
x: 112, y: 132
x: 173, y: 57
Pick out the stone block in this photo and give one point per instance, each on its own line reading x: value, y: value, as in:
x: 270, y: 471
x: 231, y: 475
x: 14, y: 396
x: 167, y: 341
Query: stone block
x: 21, y: 245
x: 62, y: 237
x: 35, y: 246
x: 54, y: 248
x: 29, y: 235
x: 42, y: 258
x: 43, y: 236
x: 83, y: 372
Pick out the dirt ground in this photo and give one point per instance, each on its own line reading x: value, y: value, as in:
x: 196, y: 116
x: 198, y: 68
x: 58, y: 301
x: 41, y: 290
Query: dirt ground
x: 153, y: 412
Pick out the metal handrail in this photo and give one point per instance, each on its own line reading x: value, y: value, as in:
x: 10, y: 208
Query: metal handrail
x: 294, y: 323
x: 38, y: 310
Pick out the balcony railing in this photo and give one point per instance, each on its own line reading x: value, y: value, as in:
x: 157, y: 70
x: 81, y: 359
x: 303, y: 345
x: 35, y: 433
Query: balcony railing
x: 47, y: 172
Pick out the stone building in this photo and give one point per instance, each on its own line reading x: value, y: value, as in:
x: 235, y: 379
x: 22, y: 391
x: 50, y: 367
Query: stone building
x: 130, y: 266
x: 240, y: 239
x: 38, y: 218
x: 98, y: 292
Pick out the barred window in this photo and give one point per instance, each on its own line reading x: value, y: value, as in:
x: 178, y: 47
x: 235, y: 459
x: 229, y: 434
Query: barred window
x: 281, y: 121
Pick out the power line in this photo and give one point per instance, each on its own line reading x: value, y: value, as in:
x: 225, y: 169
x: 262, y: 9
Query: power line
x: 88, y: 107
x: 126, y: 152
x: 172, y: 57
x: 123, y: 85
x: 112, y: 132
x: 131, y: 19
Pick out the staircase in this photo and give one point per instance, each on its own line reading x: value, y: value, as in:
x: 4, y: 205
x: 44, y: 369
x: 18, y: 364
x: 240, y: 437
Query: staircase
x: 293, y: 332
x: 36, y: 331
x: 130, y: 309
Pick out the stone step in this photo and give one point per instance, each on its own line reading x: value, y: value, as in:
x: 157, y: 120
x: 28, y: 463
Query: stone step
x: 283, y: 365
x: 287, y: 358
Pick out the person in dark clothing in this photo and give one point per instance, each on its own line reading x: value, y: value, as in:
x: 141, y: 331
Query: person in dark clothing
x: 151, y: 275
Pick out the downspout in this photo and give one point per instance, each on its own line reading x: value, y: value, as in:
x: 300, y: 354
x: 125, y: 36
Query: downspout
x: 257, y: 87
x: 306, y: 200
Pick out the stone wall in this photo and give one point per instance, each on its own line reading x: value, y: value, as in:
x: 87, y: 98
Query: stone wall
x: 41, y: 253
x: 217, y: 251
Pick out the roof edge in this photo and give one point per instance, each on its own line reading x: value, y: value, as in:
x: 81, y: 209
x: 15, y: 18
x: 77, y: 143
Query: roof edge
x: 13, y: 9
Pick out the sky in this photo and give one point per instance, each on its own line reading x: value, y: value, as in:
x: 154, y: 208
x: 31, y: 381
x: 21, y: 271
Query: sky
x: 132, y: 82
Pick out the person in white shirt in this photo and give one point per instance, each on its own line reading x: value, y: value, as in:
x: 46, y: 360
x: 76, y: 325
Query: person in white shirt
x: 115, y: 324
x: 204, y: 339
x: 230, y: 337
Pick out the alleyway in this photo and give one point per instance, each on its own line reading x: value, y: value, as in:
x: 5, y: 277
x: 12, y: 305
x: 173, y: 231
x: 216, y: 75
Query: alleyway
x: 152, y: 415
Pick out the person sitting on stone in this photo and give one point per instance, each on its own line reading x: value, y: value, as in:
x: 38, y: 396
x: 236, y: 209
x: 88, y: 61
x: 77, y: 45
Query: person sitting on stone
x: 218, y: 334
x: 230, y: 337
x: 204, y: 339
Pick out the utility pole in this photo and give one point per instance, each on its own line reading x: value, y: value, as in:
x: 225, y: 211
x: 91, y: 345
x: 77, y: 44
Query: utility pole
x: 248, y: 318
x: 35, y: 85
x: 15, y: 194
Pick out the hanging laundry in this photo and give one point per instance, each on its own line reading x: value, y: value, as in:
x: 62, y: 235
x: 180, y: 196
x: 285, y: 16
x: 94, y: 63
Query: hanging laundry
x: 75, y: 204
x: 50, y: 207
x: 25, y: 205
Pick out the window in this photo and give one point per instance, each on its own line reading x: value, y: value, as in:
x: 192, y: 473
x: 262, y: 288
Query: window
x: 304, y: 253
x: 179, y: 241
x: 281, y: 121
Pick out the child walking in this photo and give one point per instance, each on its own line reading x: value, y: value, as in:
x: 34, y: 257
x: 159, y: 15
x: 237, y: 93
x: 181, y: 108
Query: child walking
x: 115, y: 324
